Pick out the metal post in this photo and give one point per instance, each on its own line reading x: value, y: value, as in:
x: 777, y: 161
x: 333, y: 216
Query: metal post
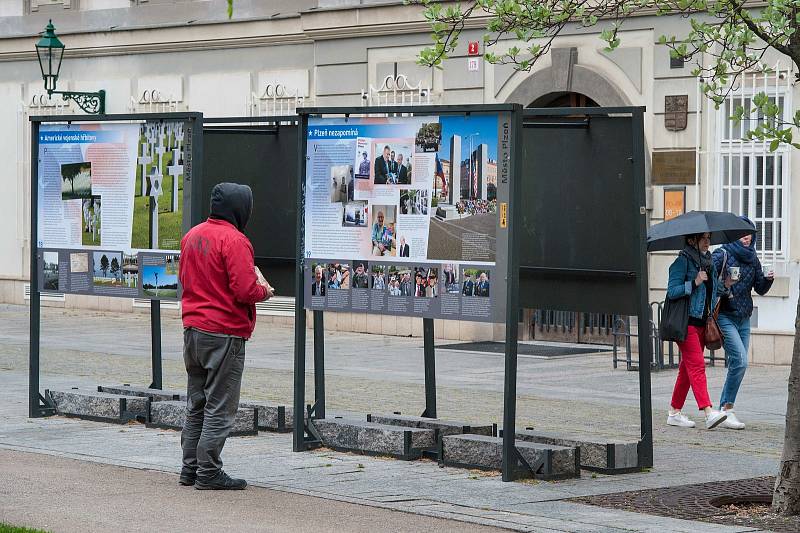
x: 155, y: 343
x: 430, y: 368
x: 35, y: 312
x: 645, y: 356
x: 298, y: 438
x: 319, y: 365
x: 512, y: 303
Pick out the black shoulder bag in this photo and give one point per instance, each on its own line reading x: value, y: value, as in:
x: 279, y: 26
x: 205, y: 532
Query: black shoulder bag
x: 675, y: 317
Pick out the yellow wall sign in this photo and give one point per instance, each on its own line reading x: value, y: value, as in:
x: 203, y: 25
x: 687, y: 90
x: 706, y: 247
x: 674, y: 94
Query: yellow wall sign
x: 674, y: 203
x: 503, y: 214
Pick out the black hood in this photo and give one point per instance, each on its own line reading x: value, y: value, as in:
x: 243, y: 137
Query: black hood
x: 233, y: 203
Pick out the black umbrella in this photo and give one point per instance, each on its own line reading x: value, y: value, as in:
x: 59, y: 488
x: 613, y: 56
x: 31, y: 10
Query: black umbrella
x: 724, y: 228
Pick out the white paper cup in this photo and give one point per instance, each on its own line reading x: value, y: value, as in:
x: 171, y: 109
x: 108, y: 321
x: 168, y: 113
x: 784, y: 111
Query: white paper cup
x: 734, y: 273
x: 766, y: 269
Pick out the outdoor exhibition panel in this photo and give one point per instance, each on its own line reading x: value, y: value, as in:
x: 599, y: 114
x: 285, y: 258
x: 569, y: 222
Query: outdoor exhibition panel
x: 111, y: 198
x: 584, y: 226
x: 405, y: 211
x: 407, y: 215
x: 260, y: 152
x: 110, y: 205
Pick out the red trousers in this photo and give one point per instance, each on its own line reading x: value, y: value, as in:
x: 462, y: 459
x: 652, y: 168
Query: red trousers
x: 692, y: 370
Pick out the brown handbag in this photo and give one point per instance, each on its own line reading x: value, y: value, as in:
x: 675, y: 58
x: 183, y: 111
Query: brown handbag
x: 713, y: 335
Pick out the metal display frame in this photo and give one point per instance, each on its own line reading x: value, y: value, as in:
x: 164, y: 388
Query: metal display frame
x: 38, y: 405
x: 305, y: 436
x: 639, y: 274
x: 257, y: 125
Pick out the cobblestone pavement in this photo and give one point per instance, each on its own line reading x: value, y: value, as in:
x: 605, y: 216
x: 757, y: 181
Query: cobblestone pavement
x: 372, y: 373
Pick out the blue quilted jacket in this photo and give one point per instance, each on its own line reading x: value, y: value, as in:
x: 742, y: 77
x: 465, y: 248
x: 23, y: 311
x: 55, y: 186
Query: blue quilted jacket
x: 739, y: 302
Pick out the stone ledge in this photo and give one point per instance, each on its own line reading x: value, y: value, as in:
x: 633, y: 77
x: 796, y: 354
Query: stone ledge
x: 99, y: 406
x: 157, y: 395
x: 605, y: 456
x: 172, y: 414
x: 445, y: 427
x: 277, y: 418
x: 374, y: 439
x: 480, y: 451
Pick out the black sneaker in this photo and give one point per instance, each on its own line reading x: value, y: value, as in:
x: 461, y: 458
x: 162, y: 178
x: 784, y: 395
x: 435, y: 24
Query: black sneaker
x: 187, y: 478
x: 221, y: 481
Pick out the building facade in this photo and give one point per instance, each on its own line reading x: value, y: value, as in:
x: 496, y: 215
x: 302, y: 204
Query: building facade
x: 187, y: 55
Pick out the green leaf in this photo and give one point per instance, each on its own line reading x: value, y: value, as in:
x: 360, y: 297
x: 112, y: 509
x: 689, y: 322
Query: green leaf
x: 230, y: 9
x: 774, y: 145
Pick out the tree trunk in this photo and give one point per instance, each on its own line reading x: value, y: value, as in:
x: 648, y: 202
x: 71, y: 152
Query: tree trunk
x: 786, y: 498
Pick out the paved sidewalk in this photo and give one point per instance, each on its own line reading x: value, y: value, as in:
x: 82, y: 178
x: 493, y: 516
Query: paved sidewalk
x: 134, y: 500
x: 371, y: 373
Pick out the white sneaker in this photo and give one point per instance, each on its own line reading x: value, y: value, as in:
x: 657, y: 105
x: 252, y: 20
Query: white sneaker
x: 715, y: 418
x: 732, y: 422
x: 680, y: 420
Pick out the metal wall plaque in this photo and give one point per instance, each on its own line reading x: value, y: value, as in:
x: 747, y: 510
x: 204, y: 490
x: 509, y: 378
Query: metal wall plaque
x: 676, y: 111
x: 674, y: 168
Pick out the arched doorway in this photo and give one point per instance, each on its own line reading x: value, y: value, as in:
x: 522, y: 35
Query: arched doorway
x: 567, y: 326
x: 563, y: 99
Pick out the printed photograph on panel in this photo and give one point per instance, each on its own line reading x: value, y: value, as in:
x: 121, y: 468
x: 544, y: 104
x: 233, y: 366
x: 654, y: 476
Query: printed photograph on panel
x: 318, y: 279
x: 360, y: 275
x: 384, y: 220
x: 464, y: 225
x: 107, y: 268
x: 341, y: 185
x: 50, y: 269
x: 476, y: 282
x: 159, y: 178
x: 90, y: 221
x: 76, y: 180
x: 378, y: 277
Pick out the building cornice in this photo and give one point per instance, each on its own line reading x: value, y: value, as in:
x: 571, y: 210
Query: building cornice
x: 306, y: 27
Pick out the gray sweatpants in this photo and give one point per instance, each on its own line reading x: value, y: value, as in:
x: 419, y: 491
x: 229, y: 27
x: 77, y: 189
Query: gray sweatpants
x: 214, y: 364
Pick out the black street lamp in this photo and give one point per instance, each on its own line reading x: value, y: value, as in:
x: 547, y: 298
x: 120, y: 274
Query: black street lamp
x: 50, y: 51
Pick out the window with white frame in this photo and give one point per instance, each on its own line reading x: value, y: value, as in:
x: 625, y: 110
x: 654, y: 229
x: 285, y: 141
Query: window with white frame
x: 752, y: 180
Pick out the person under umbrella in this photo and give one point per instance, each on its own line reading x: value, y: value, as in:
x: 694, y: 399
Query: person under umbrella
x: 693, y: 275
x: 735, y: 312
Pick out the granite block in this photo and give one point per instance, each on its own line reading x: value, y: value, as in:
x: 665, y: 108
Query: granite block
x: 157, y: 395
x: 172, y: 415
x: 605, y: 455
x: 372, y: 438
x: 271, y: 417
x: 98, y: 405
x: 445, y: 427
x: 480, y: 451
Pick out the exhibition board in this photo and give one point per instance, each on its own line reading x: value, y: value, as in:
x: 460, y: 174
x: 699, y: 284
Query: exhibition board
x: 408, y: 215
x: 112, y: 205
x: 110, y: 200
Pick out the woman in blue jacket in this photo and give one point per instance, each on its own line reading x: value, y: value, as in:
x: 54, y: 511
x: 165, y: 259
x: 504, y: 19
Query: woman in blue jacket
x: 693, y: 275
x: 735, y: 312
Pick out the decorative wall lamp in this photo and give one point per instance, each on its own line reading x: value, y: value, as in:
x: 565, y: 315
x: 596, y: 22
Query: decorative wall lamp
x: 50, y: 51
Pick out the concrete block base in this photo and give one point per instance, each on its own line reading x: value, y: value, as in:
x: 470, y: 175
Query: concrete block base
x: 99, y: 406
x: 157, y: 395
x: 445, y: 427
x: 480, y: 451
x: 374, y: 439
x: 607, y: 457
x: 172, y: 414
x: 278, y: 418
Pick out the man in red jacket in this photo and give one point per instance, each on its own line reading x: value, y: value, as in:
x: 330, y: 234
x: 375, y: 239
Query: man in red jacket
x: 221, y: 285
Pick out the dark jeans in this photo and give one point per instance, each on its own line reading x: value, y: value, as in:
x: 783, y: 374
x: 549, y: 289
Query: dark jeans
x: 214, y: 364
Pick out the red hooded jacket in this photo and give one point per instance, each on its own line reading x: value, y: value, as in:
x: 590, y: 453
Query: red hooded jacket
x: 218, y: 278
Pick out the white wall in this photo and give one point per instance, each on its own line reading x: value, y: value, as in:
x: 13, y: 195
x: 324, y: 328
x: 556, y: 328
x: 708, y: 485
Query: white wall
x: 11, y: 182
